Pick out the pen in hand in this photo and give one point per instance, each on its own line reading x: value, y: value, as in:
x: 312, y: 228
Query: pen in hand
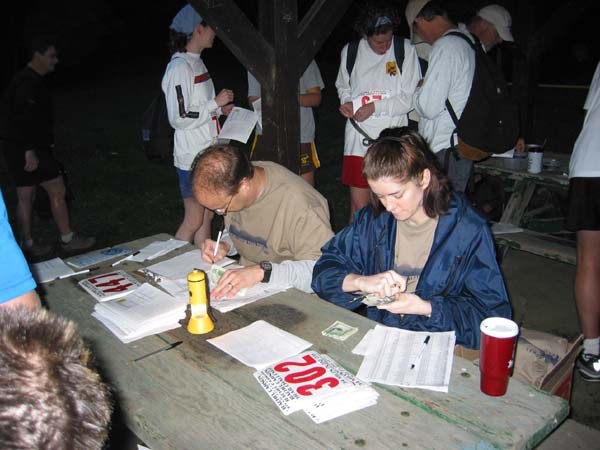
x: 421, y: 351
x: 217, y: 243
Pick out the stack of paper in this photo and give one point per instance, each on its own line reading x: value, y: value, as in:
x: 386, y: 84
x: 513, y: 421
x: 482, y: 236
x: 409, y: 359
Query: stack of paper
x: 407, y: 358
x: 315, y: 384
x: 50, y: 270
x: 310, y: 381
x: 144, y: 312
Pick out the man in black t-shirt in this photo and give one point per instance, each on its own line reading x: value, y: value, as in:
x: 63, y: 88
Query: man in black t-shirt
x: 28, y: 147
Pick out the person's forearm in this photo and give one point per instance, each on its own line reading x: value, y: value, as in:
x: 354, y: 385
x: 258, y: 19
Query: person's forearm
x: 297, y: 274
x: 310, y: 100
x: 29, y: 300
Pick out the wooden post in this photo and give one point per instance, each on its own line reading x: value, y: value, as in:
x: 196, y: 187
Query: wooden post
x: 276, y: 56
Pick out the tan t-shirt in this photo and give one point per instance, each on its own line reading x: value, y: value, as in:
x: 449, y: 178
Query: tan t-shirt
x: 288, y: 221
x: 413, y: 245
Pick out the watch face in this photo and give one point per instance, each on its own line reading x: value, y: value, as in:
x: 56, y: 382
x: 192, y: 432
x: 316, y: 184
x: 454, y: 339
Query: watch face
x: 266, y: 266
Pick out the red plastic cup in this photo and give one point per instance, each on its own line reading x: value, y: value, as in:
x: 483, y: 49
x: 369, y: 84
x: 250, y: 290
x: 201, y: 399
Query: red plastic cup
x: 498, y: 338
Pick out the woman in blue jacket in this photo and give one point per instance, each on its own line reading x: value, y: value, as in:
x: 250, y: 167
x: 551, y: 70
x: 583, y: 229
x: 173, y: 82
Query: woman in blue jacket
x: 419, y: 242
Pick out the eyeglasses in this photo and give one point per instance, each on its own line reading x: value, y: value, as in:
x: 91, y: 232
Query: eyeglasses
x: 223, y: 211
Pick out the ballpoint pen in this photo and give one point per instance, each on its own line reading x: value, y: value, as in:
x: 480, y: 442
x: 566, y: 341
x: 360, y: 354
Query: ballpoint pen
x: 163, y: 349
x: 81, y: 272
x: 421, y: 351
x: 119, y: 261
x: 217, y: 244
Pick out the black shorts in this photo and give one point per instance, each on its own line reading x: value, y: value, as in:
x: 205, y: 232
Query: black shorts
x: 583, y: 212
x: 48, y: 167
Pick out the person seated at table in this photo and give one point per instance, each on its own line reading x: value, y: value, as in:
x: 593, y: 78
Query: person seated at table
x: 274, y: 219
x: 50, y: 395
x: 418, y: 242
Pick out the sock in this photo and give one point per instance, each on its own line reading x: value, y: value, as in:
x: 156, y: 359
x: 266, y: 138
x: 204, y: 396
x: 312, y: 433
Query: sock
x: 592, y: 346
x: 66, y: 238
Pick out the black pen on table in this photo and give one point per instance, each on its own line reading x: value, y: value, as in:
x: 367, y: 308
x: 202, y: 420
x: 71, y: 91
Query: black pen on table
x: 163, y: 349
x: 421, y: 351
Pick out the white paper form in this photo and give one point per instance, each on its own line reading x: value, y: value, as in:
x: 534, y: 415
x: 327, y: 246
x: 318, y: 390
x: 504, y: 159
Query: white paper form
x: 179, y: 266
x: 239, y: 124
x: 252, y: 294
x: 392, y: 352
x: 50, y: 270
x: 97, y: 257
x: 156, y: 249
x: 260, y: 344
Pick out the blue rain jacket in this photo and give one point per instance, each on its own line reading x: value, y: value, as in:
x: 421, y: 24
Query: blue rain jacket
x: 461, y: 277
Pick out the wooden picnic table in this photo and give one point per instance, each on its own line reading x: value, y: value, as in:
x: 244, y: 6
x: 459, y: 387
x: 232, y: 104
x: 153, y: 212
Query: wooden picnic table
x: 553, y: 176
x: 198, y: 397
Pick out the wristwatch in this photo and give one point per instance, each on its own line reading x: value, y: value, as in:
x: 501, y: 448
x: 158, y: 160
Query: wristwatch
x: 267, y: 267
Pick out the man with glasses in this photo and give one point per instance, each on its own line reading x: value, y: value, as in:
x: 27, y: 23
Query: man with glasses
x: 274, y: 219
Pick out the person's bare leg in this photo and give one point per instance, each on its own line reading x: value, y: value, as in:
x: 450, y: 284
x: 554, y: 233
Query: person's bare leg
x: 309, y: 177
x: 193, y: 219
x: 58, y: 204
x: 359, y: 198
x: 25, y: 196
x: 203, y: 232
x: 587, y: 282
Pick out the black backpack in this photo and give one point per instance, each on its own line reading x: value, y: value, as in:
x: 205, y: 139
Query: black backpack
x: 157, y: 132
x: 490, y: 122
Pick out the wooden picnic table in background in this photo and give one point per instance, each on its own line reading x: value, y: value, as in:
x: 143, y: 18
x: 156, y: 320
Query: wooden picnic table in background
x: 524, y: 184
x: 198, y: 397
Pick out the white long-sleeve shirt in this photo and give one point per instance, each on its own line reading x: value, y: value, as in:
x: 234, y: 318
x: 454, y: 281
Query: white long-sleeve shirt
x: 191, y: 107
x: 372, y: 74
x: 449, y: 76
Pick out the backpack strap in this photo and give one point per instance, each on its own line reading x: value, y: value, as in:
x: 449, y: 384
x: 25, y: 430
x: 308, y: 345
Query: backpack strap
x: 399, y: 52
x: 463, y: 36
x: 351, y: 56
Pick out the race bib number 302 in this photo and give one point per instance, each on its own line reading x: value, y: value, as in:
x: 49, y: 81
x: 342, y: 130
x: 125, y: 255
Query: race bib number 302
x: 304, y: 379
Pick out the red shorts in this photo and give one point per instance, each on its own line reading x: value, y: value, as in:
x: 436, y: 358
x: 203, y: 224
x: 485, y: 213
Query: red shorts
x: 352, y: 172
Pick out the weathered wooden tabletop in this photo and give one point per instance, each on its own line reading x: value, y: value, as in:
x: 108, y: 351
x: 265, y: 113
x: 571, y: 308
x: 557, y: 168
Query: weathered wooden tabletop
x: 197, y: 397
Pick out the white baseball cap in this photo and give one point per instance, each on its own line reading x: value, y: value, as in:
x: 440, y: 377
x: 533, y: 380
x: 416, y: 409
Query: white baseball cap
x: 500, y: 18
x: 186, y: 19
x: 413, y: 8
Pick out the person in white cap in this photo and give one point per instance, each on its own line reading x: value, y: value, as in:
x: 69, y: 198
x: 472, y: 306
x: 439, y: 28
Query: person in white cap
x: 413, y: 7
x: 193, y: 110
x: 492, y: 25
x: 449, y: 77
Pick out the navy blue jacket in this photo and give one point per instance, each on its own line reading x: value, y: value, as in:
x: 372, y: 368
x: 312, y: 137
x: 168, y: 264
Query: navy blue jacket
x: 461, y: 277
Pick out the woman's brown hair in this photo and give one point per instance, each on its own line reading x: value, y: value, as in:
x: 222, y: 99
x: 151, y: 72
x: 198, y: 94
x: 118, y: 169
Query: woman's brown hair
x: 403, y: 154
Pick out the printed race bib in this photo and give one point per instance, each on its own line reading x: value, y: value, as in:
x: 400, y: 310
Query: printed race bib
x: 369, y: 97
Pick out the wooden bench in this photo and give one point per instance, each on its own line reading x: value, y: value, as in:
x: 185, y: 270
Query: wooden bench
x: 540, y: 244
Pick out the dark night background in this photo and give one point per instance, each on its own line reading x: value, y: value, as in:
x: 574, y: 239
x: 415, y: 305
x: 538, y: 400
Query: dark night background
x: 109, y: 35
